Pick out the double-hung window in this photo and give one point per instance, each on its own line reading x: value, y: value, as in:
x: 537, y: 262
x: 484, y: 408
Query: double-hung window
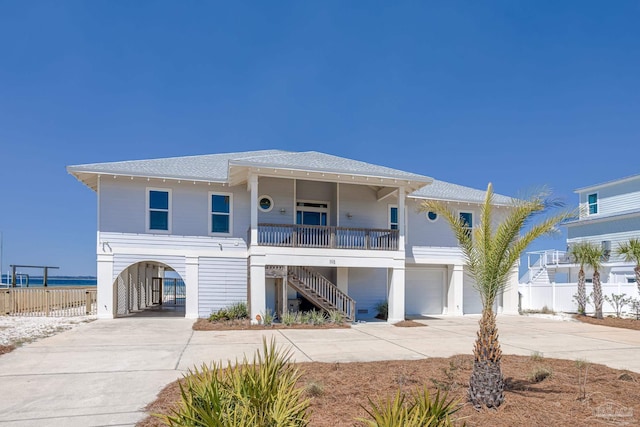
x: 158, y: 215
x: 467, y: 220
x: 592, y: 201
x: 220, y: 213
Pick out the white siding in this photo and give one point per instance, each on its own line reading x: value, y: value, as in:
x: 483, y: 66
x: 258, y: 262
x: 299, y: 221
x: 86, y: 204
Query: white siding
x: 223, y: 281
x: 281, y: 191
x: 620, y: 197
x: 363, y: 205
x: 122, y: 261
x: 368, y: 287
x: 123, y: 206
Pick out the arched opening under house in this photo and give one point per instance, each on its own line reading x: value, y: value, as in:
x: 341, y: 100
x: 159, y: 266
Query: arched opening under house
x: 149, y: 289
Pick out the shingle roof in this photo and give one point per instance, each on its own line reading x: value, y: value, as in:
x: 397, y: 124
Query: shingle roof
x: 313, y: 160
x: 209, y: 167
x: 440, y: 190
x: 215, y: 168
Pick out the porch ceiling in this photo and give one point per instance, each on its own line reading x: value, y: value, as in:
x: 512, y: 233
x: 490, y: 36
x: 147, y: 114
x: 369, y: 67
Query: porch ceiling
x: 240, y: 175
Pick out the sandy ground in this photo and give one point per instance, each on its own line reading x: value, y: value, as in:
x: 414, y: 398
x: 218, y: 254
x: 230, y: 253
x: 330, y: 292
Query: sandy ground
x: 17, y: 330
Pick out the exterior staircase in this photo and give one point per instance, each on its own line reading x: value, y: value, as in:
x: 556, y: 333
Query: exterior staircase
x: 319, y: 290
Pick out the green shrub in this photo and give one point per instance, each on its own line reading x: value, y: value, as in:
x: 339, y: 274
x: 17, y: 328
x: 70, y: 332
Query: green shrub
x: 383, y: 310
x: 317, y: 317
x: 423, y: 411
x: 290, y: 318
x: 235, y: 311
x: 268, y: 317
x: 334, y: 316
x: 261, y: 393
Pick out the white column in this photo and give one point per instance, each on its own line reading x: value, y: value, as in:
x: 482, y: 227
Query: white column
x: 342, y: 279
x: 253, y: 184
x: 191, y: 283
x: 257, y: 293
x: 106, y: 303
x: 510, y: 295
x: 456, y: 286
x: 401, y: 219
x: 396, y: 295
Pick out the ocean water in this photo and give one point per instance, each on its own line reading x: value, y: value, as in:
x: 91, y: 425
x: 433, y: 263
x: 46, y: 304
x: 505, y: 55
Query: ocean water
x: 36, y: 281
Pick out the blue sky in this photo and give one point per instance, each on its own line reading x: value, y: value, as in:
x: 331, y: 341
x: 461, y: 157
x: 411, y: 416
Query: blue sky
x: 517, y: 93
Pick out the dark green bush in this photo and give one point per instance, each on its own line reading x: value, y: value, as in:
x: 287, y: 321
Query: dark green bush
x: 235, y: 311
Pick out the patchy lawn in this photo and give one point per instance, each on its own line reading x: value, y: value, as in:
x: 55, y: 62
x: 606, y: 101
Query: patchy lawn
x: 340, y: 390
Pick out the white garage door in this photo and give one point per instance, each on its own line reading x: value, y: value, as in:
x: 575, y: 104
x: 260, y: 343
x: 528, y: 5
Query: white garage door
x: 472, y: 304
x: 424, y: 289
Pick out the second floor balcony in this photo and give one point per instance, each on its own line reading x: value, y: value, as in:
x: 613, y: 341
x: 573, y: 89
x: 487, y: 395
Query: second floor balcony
x: 318, y: 236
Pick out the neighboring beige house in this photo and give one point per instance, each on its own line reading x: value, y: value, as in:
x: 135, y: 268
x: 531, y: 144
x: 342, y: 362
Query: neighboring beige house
x: 274, y: 228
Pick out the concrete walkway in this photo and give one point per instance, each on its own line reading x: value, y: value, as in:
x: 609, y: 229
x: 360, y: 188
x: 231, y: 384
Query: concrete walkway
x: 104, y: 373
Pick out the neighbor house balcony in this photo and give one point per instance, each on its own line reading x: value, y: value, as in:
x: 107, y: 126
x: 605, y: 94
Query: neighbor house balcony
x: 318, y: 236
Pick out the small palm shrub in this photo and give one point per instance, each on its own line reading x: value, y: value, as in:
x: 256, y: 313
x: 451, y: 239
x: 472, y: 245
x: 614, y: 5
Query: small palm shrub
x: 260, y: 393
x: 383, y: 310
x: 235, y: 311
x: 422, y: 411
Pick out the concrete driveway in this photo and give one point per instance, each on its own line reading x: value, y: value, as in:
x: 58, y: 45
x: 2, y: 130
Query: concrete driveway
x: 105, y: 372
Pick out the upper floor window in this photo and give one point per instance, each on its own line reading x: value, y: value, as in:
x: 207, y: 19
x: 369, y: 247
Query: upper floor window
x: 221, y: 213
x: 592, y: 201
x: 311, y: 213
x: 393, y: 217
x: 158, y: 202
x: 467, y: 220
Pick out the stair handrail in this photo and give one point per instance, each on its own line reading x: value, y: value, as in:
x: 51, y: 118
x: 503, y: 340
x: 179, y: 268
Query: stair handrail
x: 326, y: 289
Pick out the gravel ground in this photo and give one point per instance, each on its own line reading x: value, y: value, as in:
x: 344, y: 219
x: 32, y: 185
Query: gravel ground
x: 16, y: 330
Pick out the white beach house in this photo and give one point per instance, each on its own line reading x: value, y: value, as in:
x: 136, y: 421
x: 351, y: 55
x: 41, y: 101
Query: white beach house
x: 275, y: 227
x: 609, y: 214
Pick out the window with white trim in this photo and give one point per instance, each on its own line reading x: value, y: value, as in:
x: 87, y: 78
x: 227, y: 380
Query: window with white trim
x: 309, y: 212
x: 467, y: 220
x: 220, y: 209
x: 592, y: 202
x: 265, y: 203
x: 393, y: 217
x: 158, y: 214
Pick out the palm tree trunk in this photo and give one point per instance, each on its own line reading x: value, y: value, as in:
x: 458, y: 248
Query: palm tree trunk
x: 597, y: 294
x: 637, y: 271
x: 582, y: 293
x: 486, y: 385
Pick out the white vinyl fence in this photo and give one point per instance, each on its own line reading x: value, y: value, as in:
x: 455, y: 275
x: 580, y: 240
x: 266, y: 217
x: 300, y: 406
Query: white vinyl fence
x: 559, y: 296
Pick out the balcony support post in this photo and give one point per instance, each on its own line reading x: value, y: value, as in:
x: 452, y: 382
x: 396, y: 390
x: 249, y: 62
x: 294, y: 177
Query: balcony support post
x: 253, y: 184
x: 401, y: 217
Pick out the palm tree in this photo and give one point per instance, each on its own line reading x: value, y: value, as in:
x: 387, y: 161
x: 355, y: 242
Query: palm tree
x: 631, y: 252
x: 491, y: 254
x: 578, y: 253
x: 594, y: 254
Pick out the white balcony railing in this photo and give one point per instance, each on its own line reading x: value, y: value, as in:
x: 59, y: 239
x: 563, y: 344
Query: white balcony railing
x: 317, y: 236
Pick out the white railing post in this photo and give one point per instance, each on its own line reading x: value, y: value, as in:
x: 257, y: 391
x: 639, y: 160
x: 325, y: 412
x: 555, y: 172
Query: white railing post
x: 553, y: 296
